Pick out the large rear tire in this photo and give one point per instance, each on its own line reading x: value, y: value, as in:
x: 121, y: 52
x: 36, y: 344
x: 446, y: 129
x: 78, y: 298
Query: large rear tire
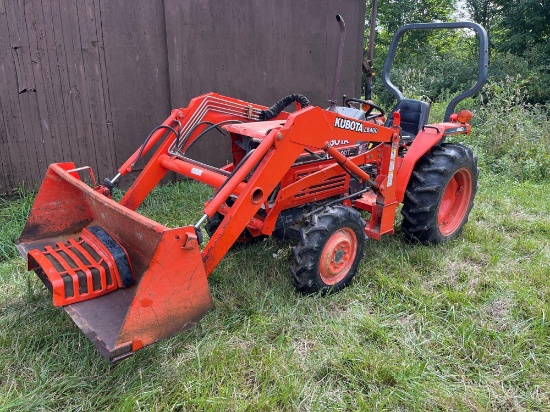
x: 329, y: 251
x: 440, y: 194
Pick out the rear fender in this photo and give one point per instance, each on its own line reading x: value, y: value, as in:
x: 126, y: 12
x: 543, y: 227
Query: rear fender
x: 423, y: 142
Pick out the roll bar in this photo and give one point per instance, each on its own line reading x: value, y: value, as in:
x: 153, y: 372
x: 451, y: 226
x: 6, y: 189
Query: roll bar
x: 483, y: 59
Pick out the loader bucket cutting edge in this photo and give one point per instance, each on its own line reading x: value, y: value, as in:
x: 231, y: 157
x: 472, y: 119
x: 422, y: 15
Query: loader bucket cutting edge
x: 170, y: 293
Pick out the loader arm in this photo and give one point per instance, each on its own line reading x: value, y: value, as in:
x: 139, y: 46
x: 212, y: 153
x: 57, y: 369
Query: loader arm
x: 190, y: 122
x: 310, y: 128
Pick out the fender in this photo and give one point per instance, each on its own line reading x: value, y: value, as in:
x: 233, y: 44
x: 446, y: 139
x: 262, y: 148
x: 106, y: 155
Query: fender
x: 424, y: 141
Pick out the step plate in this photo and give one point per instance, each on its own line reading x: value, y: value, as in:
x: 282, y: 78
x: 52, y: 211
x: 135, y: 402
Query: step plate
x: 82, y: 268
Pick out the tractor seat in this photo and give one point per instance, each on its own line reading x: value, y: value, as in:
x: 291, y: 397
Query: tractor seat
x: 414, y: 115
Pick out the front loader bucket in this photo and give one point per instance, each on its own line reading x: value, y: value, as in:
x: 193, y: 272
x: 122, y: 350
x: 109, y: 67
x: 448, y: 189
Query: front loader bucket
x: 167, y: 292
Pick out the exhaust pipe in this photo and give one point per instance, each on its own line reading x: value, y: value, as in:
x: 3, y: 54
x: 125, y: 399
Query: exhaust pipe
x: 336, y: 82
x: 369, y: 61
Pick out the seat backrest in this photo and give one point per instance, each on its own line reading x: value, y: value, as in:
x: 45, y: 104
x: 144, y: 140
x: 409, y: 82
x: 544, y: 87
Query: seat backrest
x: 414, y: 115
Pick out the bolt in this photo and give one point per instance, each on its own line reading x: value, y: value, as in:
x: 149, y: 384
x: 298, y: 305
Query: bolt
x: 279, y: 136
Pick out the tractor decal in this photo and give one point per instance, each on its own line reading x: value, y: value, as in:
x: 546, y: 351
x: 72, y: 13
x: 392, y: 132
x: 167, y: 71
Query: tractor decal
x: 348, y: 125
x: 338, y: 142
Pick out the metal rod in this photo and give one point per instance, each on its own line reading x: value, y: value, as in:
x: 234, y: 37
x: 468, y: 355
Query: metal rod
x: 114, y: 179
x: 349, y: 166
x: 368, y: 64
x: 201, y: 221
x: 336, y: 82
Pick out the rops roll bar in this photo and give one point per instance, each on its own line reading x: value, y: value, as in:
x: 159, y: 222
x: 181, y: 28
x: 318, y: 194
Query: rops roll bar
x: 483, y: 58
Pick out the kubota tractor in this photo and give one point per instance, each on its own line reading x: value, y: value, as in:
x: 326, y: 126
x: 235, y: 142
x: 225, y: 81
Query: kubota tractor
x: 326, y: 178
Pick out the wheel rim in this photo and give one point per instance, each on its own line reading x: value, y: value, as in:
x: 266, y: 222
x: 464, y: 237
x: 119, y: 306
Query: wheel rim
x: 338, y: 256
x: 455, y: 202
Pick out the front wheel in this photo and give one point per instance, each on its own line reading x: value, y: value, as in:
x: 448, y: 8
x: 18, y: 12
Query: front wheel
x: 440, y: 194
x: 329, y: 250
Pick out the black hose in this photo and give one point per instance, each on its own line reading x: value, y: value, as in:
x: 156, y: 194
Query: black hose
x: 201, y: 134
x: 242, y: 162
x: 278, y: 107
x: 186, y: 137
x: 148, y: 137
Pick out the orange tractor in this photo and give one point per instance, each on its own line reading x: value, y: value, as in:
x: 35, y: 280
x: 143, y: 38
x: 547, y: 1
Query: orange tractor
x: 327, y: 178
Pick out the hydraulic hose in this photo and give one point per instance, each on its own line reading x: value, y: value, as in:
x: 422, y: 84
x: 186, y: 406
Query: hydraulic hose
x: 278, y: 107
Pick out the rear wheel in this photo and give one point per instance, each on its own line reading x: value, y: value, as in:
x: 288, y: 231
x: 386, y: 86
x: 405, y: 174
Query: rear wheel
x: 440, y: 194
x: 329, y: 250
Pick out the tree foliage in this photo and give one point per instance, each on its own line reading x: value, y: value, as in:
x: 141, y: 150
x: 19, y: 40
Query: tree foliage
x: 438, y: 64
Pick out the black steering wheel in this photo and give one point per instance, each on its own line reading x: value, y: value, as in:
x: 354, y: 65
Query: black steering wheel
x: 371, y: 105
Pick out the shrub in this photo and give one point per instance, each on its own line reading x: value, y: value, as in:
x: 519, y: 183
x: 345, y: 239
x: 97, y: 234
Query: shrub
x: 511, y: 136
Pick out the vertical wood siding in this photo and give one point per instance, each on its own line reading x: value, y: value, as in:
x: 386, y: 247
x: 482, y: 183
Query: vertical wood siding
x: 86, y: 80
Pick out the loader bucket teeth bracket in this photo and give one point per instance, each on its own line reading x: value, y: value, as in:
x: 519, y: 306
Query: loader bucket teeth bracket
x: 83, y: 268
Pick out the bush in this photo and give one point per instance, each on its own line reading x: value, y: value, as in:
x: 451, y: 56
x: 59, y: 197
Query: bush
x: 511, y: 136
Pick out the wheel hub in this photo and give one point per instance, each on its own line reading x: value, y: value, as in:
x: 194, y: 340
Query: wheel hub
x: 455, y: 202
x: 338, y: 256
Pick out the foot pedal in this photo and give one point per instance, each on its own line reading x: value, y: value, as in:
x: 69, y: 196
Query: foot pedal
x: 84, y: 268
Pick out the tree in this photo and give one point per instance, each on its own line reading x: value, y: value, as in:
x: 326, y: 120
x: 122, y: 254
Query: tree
x: 485, y: 12
x: 526, y: 23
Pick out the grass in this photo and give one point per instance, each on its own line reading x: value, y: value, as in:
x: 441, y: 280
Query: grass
x: 463, y: 326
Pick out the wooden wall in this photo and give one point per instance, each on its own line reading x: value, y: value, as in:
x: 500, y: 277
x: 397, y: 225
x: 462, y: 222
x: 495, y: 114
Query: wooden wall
x: 86, y: 80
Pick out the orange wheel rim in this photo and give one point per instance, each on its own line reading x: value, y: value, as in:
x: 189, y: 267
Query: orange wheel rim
x: 337, y: 256
x: 455, y: 202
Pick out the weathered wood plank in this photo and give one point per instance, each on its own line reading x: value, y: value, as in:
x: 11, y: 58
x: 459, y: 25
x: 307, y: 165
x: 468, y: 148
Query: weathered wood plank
x: 64, y: 28
x: 80, y: 55
x: 97, y: 75
x: 10, y: 168
x: 39, y: 53
x: 7, y: 177
x: 106, y: 97
x: 93, y: 86
x: 137, y: 67
x: 27, y: 123
x: 53, y: 85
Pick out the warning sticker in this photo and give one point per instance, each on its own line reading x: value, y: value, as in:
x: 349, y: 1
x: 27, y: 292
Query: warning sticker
x: 196, y: 171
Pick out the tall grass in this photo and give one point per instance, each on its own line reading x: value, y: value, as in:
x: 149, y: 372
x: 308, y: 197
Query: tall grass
x: 14, y: 211
x: 513, y: 135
